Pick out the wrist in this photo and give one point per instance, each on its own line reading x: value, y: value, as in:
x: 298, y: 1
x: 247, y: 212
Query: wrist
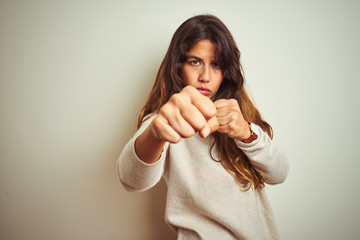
x: 244, y: 132
x: 149, y: 147
x: 252, y: 136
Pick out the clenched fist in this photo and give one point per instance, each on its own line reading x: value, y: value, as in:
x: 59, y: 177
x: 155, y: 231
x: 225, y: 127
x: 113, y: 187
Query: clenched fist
x: 231, y: 120
x: 184, y: 114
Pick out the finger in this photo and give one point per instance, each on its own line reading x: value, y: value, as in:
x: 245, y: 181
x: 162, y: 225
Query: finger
x: 225, y: 120
x: 170, y: 135
x: 231, y: 104
x: 224, y: 111
x: 193, y: 116
x: 223, y: 129
x: 181, y: 126
x: 228, y: 108
x: 176, y: 121
x: 164, y: 131
x: 201, y: 102
x: 223, y: 103
x: 181, y: 104
x: 231, y: 129
x: 211, y: 126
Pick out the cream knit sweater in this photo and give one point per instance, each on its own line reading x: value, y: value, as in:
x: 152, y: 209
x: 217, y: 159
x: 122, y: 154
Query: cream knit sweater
x: 203, y: 200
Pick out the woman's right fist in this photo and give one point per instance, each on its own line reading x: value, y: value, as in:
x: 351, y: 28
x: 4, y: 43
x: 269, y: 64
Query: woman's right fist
x: 184, y: 114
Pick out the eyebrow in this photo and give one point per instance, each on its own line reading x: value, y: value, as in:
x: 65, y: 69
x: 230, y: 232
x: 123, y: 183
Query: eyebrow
x: 195, y: 57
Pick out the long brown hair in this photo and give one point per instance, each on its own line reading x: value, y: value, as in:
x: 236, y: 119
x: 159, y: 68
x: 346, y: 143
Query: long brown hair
x: 168, y: 81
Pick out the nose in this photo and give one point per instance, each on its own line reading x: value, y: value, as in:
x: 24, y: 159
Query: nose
x: 204, y: 75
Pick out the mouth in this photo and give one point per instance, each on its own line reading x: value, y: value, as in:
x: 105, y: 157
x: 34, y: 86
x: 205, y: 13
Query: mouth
x: 203, y: 90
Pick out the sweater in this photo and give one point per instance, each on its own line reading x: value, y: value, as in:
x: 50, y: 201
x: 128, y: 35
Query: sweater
x: 204, y: 201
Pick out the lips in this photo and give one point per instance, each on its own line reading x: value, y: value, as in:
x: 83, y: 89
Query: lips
x: 203, y: 90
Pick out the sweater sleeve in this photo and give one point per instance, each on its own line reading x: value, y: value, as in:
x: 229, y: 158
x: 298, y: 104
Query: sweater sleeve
x: 266, y: 157
x: 134, y: 174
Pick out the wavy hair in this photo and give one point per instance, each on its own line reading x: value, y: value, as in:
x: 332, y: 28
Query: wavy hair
x: 168, y: 81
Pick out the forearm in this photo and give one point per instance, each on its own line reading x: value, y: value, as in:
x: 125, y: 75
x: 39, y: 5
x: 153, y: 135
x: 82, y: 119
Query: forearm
x: 148, y: 148
x: 266, y: 157
x: 134, y: 173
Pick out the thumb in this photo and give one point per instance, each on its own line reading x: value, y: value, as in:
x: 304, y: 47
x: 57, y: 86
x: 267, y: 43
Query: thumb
x: 211, y: 126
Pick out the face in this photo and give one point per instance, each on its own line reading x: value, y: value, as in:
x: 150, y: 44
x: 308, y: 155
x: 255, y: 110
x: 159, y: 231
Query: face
x: 201, y: 69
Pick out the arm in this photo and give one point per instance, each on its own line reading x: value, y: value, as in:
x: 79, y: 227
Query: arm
x: 184, y: 114
x: 266, y: 157
x: 135, y: 174
x: 141, y: 163
x: 262, y: 153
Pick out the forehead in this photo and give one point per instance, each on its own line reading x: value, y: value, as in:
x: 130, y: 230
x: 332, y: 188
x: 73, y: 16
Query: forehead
x: 203, y: 48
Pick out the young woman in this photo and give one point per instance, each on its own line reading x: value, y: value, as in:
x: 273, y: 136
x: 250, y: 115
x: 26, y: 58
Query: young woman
x: 200, y: 132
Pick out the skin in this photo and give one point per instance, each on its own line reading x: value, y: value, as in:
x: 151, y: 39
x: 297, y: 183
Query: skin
x: 191, y: 110
x: 201, y: 69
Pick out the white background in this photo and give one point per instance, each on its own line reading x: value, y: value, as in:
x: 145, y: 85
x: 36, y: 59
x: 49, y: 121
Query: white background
x: 74, y: 74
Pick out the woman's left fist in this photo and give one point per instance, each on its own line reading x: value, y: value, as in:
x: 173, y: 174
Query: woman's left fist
x: 231, y: 120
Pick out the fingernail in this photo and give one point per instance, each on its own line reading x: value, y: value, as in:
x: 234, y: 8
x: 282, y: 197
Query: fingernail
x: 206, y: 132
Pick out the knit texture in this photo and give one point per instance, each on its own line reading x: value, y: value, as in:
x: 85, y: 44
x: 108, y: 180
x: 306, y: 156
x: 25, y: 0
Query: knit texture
x: 203, y: 200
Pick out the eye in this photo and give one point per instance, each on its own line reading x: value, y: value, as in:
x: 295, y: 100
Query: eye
x: 195, y: 62
x: 216, y: 65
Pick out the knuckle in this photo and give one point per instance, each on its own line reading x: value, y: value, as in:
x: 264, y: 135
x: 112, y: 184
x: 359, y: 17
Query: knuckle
x: 176, y: 140
x: 189, y: 91
x: 221, y: 128
x: 157, y: 129
x: 233, y: 101
x: 214, y: 122
x: 157, y: 124
x: 173, y: 139
x: 212, y: 110
x: 174, y: 97
x: 216, y: 125
x: 156, y: 121
x: 234, y: 108
x: 164, y: 110
x: 177, y: 99
x: 188, y: 88
x: 188, y: 133
x: 200, y: 124
x: 231, y: 135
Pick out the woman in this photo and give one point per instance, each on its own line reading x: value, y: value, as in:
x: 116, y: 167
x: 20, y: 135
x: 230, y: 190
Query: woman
x: 200, y: 132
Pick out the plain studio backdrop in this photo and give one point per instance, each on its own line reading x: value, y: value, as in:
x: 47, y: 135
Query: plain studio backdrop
x: 74, y: 75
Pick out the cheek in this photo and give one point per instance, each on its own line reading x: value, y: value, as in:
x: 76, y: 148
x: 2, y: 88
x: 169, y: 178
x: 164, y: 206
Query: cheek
x: 219, y: 80
x: 186, y: 76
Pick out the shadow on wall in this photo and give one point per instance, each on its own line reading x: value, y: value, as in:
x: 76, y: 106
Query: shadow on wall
x: 158, y: 201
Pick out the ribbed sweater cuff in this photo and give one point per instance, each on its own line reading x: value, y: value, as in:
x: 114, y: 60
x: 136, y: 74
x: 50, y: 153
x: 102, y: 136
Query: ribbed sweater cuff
x: 258, y: 132
x: 139, y: 175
